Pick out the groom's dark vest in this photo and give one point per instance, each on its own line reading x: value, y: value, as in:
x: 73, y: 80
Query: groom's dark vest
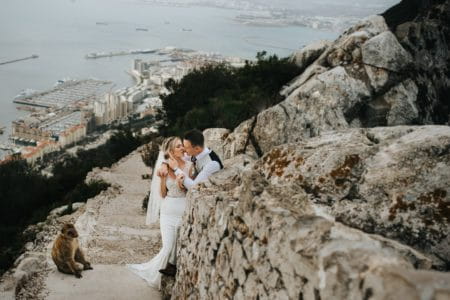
x: 201, y: 163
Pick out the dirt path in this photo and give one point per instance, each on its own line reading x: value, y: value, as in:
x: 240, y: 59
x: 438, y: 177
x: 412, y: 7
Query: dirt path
x: 112, y: 233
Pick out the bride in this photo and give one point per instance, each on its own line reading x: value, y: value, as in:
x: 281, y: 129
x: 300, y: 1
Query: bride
x: 167, y: 195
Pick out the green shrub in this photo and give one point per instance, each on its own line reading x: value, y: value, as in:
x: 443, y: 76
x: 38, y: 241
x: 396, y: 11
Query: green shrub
x: 223, y: 96
x: 26, y: 196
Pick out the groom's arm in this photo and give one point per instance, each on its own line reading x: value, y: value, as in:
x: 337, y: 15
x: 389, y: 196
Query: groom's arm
x: 208, y: 170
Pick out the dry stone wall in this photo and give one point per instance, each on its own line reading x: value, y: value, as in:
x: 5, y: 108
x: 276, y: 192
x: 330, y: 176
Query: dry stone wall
x: 255, y: 231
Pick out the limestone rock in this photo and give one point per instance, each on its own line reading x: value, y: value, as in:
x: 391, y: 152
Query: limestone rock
x: 215, y: 140
x: 315, y: 203
x: 392, y: 181
x: 28, y: 266
x: 314, y: 69
x: 422, y: 27
x: 275, y: 246
x: 372, y: 25
x: 386, y: 283
x: 401, y: 100
x: 77, y: 205
x: 304, y: 57
x: 358, y: 81
x: 384, y: 51
x: 239, y: 141
x: 378, y: 77
x: 58, y: 211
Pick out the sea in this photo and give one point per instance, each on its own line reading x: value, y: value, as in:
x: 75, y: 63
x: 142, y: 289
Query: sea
x: 62, y: 32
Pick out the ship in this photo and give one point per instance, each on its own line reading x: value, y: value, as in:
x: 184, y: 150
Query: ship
x: 91, y: 55
x: 61, y: 81
x: 101, y: 23
x: 187, y: 29
x: 147, y: 51
x: 141, y: 29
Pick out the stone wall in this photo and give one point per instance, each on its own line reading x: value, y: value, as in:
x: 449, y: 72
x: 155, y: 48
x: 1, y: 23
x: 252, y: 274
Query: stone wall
x: 266, y: 228
x: 317, y: 200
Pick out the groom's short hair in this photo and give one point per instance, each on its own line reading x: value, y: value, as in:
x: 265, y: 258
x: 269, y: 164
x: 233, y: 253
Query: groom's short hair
x: 195, y: 137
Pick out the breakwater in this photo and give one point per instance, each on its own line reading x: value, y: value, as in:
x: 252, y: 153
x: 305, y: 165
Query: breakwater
x: 19, y: 59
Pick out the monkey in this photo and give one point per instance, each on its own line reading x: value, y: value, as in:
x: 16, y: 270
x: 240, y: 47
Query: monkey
x: 66, y: 252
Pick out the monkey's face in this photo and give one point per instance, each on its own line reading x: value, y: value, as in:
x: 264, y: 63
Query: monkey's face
x: 69, y: 231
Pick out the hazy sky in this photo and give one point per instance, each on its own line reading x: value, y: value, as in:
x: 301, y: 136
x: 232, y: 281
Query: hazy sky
x: 317, y: 7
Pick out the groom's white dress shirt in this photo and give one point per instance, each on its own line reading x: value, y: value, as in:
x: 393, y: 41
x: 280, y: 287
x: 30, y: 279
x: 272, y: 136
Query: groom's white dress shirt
x: 205, y: 166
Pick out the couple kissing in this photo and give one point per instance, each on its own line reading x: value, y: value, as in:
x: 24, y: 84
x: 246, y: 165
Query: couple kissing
x: 182, y: 163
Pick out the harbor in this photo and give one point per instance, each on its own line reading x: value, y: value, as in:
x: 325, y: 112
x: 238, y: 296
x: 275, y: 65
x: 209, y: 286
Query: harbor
x: 66, y: 93
x: 66, y: 113
x: 19, y: 59
x: 169, y: 50
x: 95, y: 55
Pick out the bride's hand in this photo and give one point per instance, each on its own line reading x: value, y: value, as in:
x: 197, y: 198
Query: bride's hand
x: 163, y: 170
x: 180, y: 180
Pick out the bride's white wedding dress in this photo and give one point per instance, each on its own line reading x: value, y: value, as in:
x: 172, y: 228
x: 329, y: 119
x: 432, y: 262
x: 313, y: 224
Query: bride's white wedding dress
x: 171, y: 213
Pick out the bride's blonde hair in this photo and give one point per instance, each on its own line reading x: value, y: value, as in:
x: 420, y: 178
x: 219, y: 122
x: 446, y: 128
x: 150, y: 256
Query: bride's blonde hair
x: 168, y: 145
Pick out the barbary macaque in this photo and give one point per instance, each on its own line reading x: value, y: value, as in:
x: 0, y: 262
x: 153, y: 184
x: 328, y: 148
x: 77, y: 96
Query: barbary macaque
x: 66, y: 252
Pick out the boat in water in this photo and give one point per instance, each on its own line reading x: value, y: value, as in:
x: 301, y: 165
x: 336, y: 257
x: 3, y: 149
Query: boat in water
x: 141, y: 29
x: 61, y: 81
x: 147, y: 51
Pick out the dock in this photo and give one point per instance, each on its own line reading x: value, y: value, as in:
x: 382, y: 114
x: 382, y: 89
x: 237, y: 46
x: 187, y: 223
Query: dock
x: 67, y: 93
x: 19, y: 59
x: 95, y: 55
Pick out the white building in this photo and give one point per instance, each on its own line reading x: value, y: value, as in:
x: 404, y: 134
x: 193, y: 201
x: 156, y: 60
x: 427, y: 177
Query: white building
x: 112, y: 107
x: 140, y: 66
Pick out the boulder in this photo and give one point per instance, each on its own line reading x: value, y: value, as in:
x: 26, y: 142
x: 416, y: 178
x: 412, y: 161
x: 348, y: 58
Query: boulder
x: 422, y: 27
x: 31, y: 263
x: 246, y: 235
x: 358, y: 81
x: 305, y: 56
x: 392, y: 181
x: 401, y: 100
x: 384, y: 51
x: 215, y: 138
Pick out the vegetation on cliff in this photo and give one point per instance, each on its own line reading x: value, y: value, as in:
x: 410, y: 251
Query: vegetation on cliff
x: 26, y: 196
x: 223, y: 96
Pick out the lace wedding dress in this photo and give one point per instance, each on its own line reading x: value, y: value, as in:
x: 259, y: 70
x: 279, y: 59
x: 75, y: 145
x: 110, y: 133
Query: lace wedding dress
x: 172, y: 210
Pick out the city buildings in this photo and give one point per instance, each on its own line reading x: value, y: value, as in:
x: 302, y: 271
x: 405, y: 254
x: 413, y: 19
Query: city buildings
x: 63, y: 128
x: 65, y: 114
x: 110, y: 108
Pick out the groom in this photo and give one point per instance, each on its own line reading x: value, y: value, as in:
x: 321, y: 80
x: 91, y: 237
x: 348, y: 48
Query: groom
x: 206, y: 162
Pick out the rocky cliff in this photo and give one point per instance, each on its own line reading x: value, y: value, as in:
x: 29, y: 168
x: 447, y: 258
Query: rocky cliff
x: 423, y: 29
x: 336, y: 192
